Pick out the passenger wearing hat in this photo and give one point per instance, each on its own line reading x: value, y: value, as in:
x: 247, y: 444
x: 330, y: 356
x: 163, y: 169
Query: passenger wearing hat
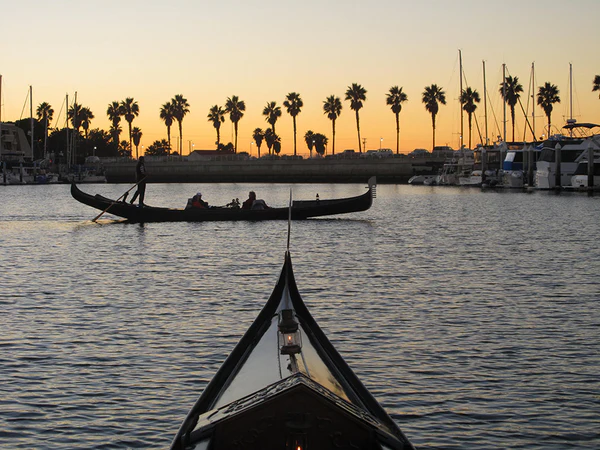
x: 197, y: 201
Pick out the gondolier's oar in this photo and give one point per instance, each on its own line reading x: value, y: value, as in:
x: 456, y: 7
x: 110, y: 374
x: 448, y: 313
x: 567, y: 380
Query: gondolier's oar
x: 117, y: 200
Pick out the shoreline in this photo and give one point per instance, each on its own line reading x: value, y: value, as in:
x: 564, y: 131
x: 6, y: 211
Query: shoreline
x: 328, y: 170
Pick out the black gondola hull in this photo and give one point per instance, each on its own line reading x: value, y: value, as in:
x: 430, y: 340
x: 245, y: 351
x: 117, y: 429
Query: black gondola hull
x: 300, y: 209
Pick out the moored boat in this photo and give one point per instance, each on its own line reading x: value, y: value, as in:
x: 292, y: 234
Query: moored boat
x: 561, y: 155
x: 284, y: 386
x: 422, y: 179
x: 580, y: 177
x: 301, y: 209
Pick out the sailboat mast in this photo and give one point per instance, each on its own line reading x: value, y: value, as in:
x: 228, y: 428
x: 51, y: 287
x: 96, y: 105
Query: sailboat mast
x: 571, y: 96
x: 31, y: 121
x: 485, y: 106
x: 68, y: 155
x: 460, y: 97
x: 533, y: 100
x: 74, y: 135
x: 504, y: 102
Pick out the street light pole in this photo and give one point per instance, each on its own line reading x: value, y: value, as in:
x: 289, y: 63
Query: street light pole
x: 380, y: 142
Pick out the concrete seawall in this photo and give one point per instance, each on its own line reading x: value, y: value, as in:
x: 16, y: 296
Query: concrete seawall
x: 397, y: 169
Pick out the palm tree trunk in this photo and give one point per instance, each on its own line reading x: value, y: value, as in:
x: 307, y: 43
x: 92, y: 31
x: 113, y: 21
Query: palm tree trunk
x: 169, y: 140
x: 397, y: 133
x: 218, y: 137
x: 433, y: 126
x: 470, y: 117
x: 512, y: 116
x: 180, y: 138
x: 235, y: 127
x: 333, y: 134
x: 294, y: 135
x: 358, y: 130
x: 130, y: 137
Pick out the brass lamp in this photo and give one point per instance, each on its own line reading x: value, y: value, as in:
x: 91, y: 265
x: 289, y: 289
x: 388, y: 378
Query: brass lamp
x: 290, y: 341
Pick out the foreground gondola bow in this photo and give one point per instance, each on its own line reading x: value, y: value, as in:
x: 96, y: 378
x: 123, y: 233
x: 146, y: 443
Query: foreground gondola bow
x: 301, y: 209
x: 284, y: 386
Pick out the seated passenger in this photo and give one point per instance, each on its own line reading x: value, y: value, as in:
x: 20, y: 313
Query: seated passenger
x: 253, y: 202
x: 235, y: 203
x: 248, y: 203
x: 197, y: 202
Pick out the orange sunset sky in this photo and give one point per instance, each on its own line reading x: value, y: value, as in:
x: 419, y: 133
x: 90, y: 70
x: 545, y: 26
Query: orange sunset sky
x: 262, y: 50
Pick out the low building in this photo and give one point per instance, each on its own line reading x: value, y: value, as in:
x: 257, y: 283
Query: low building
x: 204, y: 155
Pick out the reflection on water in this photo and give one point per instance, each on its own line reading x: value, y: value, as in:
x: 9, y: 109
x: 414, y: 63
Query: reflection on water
x: 472, y: 316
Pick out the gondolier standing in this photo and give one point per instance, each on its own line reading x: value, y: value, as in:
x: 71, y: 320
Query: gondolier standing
x: 140, y: 178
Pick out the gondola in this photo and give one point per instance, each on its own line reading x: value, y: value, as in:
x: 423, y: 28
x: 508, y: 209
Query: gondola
x: 301, y: 209
x: 284, y: 386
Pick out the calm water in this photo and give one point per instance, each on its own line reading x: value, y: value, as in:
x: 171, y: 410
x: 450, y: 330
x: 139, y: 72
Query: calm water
x: 471, y: 316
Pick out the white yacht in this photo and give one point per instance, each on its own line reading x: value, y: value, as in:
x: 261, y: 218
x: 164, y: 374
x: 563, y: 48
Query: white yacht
x: 579, y: 180
x: 561, y: 155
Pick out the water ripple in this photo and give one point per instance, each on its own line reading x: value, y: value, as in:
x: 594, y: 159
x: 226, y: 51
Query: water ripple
x: 472, y: 317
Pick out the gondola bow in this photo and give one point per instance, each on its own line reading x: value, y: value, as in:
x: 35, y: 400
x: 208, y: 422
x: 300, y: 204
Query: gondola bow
x: 284, y: 386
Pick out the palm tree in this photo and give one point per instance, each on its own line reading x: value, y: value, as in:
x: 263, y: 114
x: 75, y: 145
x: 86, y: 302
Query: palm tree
x: 258, y: 135
x: 115, y: 131
x: 356, y: 94
x: 294, y: 104
x: 432, y: 95
x: 235, y: 108
x: 180, y: 108
x: 167, y: 115
x: 309, y: 138
x: 136, y: 133
x: 114, y: 113
x: 270, y: 138
x: 130, y: 110
x: 86, y: 115
x: 45, y: 113
x: 596, y: 86
x: 272, y: 112
x: 320, y: 141
x: 468, y: 99
x: 332, y: 106
x: 547, y: 97
x: 510, y: 90
x: 395, y: 98
x: 276, y: 145
x: 74, y: 113
x: 216, y: 115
